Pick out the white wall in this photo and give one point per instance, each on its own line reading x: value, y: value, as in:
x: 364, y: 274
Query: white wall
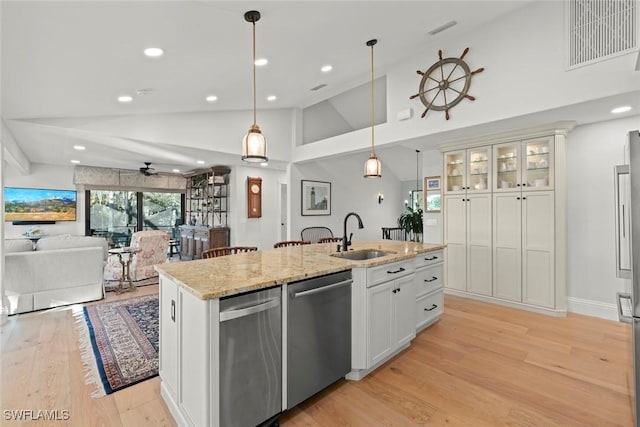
x: 45, y: 176
x: 350, y: 192
x: 432, y: 166
x: 261, y: 232
x: 592, y: 152
x: 524, y: 59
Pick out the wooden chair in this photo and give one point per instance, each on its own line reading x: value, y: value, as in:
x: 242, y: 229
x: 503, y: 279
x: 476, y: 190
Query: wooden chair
x: 330, y: 240
x: 314, y: 234
x: 394, y: 233
x: 227, y: 250
x: 291, y: 243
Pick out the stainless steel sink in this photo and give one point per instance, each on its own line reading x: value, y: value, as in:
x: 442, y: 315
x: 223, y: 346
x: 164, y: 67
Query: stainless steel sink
x: 361, y: 255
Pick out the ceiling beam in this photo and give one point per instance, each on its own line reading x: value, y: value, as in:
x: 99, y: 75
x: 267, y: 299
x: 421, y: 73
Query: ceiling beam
x: 12, y: 151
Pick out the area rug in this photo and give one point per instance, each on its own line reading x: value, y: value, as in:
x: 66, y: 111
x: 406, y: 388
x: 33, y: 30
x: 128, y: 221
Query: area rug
x: 119, y: 343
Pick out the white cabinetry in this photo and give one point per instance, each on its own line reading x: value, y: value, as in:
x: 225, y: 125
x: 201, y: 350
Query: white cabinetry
x: 524, y: 247
x: 188, y: 361
x: 428, y: 285
x: 468, y: 171
x: 383, y: 317
x: 391, y: 318
x: 467, y: 234
x: 508, y: 245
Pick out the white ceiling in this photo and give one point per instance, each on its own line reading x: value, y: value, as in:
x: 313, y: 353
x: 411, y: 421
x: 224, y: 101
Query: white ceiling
x: 66, y: 59
x: 73, y: 58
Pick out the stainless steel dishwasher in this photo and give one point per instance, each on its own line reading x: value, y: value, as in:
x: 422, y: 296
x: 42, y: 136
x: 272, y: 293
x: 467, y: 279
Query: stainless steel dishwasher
x: 250, y: 358
x: 318, y: 334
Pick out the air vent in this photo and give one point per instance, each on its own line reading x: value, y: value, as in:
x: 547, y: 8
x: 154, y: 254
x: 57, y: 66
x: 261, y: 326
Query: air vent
x: 319, y: 86
x: 600, y: 29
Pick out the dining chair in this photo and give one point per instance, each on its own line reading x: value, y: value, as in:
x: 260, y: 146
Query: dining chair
x: 330, y: 240
x: 227, y: 250
x: 394, y: 233
x: 313, y: 234
x: 291, y: 243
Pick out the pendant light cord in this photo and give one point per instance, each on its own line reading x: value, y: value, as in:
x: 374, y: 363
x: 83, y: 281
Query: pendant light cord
x: 372, y: 105
x: 254, y: 73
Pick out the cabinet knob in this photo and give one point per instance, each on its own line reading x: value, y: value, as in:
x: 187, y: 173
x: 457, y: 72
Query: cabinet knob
x: 524, y: 198
x: 517, y: 185
x: 524, y: 184
x: 517, y: 198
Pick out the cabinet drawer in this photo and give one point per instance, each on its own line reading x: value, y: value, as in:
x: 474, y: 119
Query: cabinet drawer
x: 428, y: 308
x: 428, y: 279
x: 429, y: 258
x: 386, y: 272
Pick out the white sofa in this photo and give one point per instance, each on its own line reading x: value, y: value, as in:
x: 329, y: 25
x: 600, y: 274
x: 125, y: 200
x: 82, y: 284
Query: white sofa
x: 61, y: 270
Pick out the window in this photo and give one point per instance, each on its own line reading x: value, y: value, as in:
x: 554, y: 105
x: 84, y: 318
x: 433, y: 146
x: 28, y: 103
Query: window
x: 116, y: 215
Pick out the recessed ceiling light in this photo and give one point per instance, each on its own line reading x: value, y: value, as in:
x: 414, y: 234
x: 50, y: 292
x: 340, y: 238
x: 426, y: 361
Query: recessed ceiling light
x: 79, y: 147
x: 326, y: 68
x: 271, y: 98
x: 622, y: 109
x: 200, y: 162
x: 75, y: 162
x: 176, y: 170
x: 211, y: 98
x: 125, y: 98
x: 260, y: 62
x: 153, y: 52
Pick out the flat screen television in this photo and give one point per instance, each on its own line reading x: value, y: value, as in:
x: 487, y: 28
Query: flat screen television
x: 39, y: 205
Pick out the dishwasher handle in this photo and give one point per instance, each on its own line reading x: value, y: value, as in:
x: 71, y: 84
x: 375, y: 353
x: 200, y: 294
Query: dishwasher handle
x: 322, y: 289
x: 242, y: 312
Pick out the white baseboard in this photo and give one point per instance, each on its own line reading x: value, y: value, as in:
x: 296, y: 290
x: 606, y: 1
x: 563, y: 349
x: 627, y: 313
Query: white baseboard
x: 506, y: 303
x: 592, y: 308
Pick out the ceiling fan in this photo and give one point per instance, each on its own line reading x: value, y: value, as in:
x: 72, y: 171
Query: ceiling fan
x: 147, y: 170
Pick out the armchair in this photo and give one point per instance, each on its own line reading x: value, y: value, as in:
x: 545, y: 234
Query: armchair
x: 153, y: 246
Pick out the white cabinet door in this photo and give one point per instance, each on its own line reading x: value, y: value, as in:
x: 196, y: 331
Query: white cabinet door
x: 538, y: 255
x: 538, y: 164
x: 455, y: 172
x: 479, y: 277
x: 404, y: 312
x: 380, y: 322
x: 507, y: 246
x: 169, y: 335
x: 455, y: 236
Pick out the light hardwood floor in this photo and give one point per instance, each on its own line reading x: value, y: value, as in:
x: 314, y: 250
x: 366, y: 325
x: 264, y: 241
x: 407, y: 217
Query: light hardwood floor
x: 480, y: 365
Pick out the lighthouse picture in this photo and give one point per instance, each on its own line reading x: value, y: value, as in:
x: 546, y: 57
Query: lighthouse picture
x: 316, y: 198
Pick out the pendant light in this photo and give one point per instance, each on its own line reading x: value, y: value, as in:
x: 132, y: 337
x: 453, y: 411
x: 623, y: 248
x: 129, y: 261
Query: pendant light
x: 254, y: 144
x: 372, y: 167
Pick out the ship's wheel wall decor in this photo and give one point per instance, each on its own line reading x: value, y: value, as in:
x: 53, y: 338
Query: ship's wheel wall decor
x: 445, y: 84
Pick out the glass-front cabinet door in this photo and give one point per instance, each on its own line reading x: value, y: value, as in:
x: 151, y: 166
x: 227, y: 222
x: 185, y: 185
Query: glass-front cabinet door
x: 455, y: 167
x: 479, y: 170
x: 537, y: 167
x: 506, y: 166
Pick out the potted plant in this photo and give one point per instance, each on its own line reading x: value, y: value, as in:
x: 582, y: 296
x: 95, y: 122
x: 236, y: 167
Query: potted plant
x: 411, y: 222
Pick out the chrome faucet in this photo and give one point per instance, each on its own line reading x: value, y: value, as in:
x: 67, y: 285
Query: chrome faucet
x: 347, y: 242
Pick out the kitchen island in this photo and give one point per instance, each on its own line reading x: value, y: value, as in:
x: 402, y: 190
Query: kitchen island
x: 385, y: 311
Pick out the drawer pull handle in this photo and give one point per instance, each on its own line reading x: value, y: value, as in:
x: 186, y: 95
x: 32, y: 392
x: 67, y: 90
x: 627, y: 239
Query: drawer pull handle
x: 400, y: 270
x: 433, y: 258
x: 431, y: 280
x: 433, y: 307
x: 173, y: 310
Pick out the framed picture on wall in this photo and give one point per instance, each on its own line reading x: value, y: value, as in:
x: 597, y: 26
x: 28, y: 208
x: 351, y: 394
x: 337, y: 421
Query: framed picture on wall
x: 432, y: 183
x: 316, y: 198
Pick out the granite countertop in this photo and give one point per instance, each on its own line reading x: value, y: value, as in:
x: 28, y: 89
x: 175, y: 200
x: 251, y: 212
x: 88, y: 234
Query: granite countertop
x: 234, y: 274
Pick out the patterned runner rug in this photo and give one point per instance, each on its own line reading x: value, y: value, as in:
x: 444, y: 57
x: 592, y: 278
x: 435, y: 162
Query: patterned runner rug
x: 119, y: 342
